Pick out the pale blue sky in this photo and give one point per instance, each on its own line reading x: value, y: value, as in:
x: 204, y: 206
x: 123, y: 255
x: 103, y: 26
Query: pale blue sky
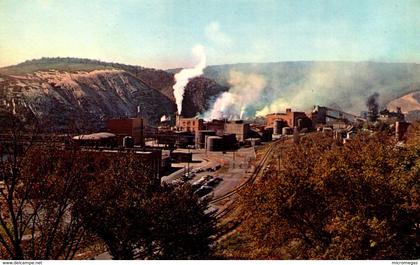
x: 161, y: 33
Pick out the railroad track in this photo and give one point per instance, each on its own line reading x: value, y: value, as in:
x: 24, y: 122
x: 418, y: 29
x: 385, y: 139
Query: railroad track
x: 250, y: 180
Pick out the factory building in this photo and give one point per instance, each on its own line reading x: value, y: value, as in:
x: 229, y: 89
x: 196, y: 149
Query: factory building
x: 154, y: 159
x: 133, y: 127
x: 292, y: 118
x: 218, y: 126
x: 181, y: 157
x: 391, y: 116
x: 96, y: 139
x: 239, y: 128
x: 332, y: 117
x: 174, y: 139
x: 189, y: 124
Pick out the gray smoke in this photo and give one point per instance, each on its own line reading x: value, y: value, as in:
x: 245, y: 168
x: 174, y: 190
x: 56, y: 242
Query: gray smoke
x: 373, y: 106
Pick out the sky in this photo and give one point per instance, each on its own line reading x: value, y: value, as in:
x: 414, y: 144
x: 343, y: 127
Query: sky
x: 162, y: 33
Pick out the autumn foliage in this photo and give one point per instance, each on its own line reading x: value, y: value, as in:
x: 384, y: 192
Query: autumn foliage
x: 333, y: 201
x: 56, y: 204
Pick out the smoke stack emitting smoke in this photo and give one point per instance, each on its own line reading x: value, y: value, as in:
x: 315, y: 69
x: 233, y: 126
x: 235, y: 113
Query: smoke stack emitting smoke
x: 252, y: 94
x: 185, y: 75
x: 244, y: 92
x: 373, y: 106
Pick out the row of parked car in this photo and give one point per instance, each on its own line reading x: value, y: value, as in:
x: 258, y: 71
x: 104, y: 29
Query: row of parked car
x: 205, y: 185
x: 190, y: 175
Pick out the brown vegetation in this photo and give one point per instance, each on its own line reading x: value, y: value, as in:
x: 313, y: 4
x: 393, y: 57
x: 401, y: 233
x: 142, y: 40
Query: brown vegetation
x: 329, y: 201
x: 55, y: 204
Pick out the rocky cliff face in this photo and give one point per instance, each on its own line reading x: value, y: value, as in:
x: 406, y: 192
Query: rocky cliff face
x: 66, y: 90
x: 88, y: 97
x: 200, y: 93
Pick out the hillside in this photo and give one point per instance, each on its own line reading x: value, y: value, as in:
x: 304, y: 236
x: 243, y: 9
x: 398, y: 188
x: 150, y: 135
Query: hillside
x: 72, y: 88
x: 88, y: 97
x: 91, y: 91
x: 408, y: 102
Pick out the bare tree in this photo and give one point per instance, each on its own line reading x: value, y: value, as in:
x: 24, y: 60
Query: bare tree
x: 39, y: 186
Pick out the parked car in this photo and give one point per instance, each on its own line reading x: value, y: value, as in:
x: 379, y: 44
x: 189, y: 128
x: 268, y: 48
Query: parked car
x: 214, y: 181
x: 203, y: 190
x: 188, y: 176
x: 199, y: 182
x: 207, y: 197
x: 196, y: 186
x: 177, y: 182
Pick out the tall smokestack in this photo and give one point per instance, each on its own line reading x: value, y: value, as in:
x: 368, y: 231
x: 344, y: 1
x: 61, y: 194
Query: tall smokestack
x: 182, y: 78
x: 373, y: 107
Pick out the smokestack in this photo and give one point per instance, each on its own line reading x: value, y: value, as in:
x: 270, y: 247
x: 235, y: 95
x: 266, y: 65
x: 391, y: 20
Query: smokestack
x: 185, y: 75
x: 373, y: 107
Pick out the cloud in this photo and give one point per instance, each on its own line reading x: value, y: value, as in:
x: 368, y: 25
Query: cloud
x: 216, y: 36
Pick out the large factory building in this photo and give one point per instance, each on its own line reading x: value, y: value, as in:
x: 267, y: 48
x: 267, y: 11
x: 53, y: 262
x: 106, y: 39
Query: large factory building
x: 189, y: 124
x: 292, y: 118
x: 133, y: 127
x: 218, y: 126
x: 239, y: 128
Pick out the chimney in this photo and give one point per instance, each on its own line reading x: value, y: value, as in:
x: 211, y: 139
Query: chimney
x: 288, y: 110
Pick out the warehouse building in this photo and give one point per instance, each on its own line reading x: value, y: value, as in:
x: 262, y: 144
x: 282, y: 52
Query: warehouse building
x: 191, y: 125
x: 133, y: 127
x: 292, y: 118
x: 239, y: 128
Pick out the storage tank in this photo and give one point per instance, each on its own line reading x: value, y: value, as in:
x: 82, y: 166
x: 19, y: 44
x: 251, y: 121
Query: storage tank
x: 253, y: 141
x: 277, y: 126
x: 200, y: 138
x: 128, y: 142
x: 300, y: 124
x: 229, y: 141
x: 214, y: 143
x: 287, y: 131
x: 296, y: 137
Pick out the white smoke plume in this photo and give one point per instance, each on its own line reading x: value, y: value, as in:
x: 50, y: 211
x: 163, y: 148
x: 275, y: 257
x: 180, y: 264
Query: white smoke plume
x: 163, y: 118
x: 301, y: 85
x: 185, y: 75
x: 317, y: 89
x: 234, y: 104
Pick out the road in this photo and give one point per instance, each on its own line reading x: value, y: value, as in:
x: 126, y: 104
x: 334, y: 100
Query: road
x: 236, y: 171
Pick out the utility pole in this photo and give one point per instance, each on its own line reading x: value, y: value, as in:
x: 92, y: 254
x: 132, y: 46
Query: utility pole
x: 188, y: 163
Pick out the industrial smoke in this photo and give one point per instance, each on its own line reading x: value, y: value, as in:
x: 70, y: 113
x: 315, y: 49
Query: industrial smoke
x: 269, y: 88
x: 182, y: 78
x: 244, y: 91
x: 373, y: 106
x: 163, y: 118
